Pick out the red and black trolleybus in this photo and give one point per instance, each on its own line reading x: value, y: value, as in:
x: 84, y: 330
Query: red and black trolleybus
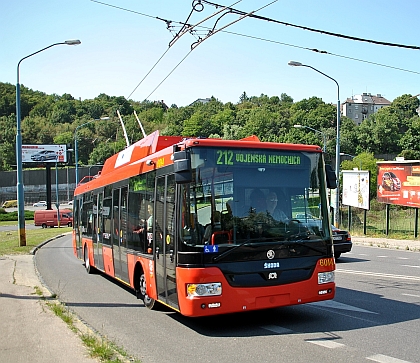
x: 190, y: 223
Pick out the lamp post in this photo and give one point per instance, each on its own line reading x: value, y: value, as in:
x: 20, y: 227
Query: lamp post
x: 19, y: 170
x: 324, y: 139
x: 76, y: 155
x: 337, y: 146
x: 57, y: 204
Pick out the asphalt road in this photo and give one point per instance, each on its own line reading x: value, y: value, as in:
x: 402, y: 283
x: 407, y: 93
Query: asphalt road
x: 374, y: 317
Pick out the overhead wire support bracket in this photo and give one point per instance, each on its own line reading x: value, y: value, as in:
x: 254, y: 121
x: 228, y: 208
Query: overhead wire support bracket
x: 212, y: 32
x: 186, y: 28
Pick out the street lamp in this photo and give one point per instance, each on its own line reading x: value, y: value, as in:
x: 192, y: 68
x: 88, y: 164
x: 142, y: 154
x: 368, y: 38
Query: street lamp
x: 19, y: 170
x: 76, y: 155
x: 337, y: 146
x: 320, y: 132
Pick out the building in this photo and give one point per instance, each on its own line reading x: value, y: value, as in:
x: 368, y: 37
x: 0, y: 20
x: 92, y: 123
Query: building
x: 359, y: 107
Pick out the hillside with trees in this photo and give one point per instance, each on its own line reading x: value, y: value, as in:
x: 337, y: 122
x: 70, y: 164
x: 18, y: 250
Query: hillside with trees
x: 53, y: 119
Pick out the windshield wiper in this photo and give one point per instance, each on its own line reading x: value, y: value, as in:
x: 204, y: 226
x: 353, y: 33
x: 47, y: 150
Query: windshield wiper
x: 217, y: 258
x: 300, y: 243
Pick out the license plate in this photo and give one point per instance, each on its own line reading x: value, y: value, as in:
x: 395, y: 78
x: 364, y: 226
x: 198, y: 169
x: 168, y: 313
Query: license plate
x: 337, y: 238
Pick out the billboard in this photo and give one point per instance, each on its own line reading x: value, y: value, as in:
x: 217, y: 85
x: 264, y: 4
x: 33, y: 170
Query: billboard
x: 356, y: 188
x: 44, y: 154
x: 399, y: 182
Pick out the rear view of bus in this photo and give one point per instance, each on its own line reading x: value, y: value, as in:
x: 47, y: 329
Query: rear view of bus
x: 269, y: 243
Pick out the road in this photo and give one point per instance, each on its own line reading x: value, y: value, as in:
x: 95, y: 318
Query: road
x: 374, y: 317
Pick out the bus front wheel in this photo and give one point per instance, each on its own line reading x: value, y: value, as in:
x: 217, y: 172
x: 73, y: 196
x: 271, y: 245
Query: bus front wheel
x: 147, y: 300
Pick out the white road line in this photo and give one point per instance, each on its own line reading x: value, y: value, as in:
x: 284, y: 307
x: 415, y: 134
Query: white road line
x: 377, y: 274
x: 402, y: 258
x: 326, y: 343
x: 411, y: 295
x: 331, y: 304
x: 410, y: 266
x: 277, y: 329
x: 385, y: 359
x: 382, y: 256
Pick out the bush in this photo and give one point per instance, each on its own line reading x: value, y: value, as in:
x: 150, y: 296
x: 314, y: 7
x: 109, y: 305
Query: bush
x: 13, y: 216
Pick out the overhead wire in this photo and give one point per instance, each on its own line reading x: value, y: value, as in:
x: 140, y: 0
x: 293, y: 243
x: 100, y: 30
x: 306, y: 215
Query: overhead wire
x: 192, y: 31
x: 320, y: 31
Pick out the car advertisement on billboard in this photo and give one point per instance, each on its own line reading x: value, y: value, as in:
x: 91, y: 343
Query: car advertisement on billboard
x: 44, y: 154
x: 399, y: 183
x: 356, y: 188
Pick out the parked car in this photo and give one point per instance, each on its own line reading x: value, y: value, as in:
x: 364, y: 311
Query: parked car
x: 9, y: 204
x: 44, y: 155
x: 41, y: 203
x: 341, y: 240
x: 391, y: 182
x: 49, y: 218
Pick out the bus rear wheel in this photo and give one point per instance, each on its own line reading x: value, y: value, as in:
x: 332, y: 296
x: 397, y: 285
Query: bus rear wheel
x: 147, y: 300
x: 88, y: 267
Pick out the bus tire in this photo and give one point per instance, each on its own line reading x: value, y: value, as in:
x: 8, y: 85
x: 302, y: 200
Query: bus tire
x: 147, y: 300
x: 88, y: 267
x: 337, y: 255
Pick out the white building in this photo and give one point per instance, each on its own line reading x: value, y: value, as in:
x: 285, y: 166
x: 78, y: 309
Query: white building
x: 359, y: 107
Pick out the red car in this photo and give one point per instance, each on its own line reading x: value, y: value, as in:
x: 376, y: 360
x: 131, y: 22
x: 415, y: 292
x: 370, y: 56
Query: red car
x: 391, y: 182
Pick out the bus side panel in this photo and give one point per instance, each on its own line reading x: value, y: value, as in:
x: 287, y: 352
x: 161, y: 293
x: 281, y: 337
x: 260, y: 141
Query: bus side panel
x: 244, y: 299
x: 108, y: 261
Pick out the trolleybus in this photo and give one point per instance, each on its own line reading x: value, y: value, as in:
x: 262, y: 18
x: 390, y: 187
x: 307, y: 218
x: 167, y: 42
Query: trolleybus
x: 183, y: 223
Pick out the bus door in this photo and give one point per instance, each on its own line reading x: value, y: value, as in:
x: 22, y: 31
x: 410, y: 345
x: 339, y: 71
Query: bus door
x: 97, y: 233
x: 164, y: 240
x: 119, y: 232
x: 77, y: 226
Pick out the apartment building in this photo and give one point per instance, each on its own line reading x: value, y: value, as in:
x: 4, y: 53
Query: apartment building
x: 359, y: 107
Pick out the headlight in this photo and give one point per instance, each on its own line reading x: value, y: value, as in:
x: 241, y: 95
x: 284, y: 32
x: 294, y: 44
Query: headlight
x: 325, y: 277
x: 211, y: 289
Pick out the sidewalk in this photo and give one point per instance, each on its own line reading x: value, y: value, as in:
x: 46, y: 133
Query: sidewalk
x: 30, y: 332
x: 401, y: 244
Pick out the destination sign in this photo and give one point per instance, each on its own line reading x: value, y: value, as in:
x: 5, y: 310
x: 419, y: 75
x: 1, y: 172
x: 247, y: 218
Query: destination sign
x: 234, y: 157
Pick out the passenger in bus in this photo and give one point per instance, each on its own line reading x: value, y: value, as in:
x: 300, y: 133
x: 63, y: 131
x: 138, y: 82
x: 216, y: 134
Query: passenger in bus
x: 212, y: 227
x: 272, y: 209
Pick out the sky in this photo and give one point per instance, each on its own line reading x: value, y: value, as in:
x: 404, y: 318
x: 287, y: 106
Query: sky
x: 120, y: 47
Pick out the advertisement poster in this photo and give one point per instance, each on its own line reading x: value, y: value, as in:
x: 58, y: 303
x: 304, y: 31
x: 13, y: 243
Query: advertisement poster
x: 44, y: 154
x: 399, y: 183
x: 356, y: 188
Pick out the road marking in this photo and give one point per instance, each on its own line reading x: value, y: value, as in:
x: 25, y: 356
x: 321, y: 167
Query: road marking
x: 402, y: 258
x: 412, y: 295
x: 277, y: 329
x: 382, y: 256
x: 377, y: 274
x: 326, y: 343
x: 331, y: 304
x: 410, y: 266
x: 385, y: 359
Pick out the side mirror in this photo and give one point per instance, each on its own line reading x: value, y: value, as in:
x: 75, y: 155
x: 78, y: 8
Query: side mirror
x: 331, y: 178
x: 182, y: 167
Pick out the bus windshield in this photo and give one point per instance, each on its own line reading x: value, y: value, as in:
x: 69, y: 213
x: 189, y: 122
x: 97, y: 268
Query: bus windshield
x: 244, y: 198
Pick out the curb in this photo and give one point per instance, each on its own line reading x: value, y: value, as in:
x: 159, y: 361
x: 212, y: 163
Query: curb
x: 36, y: 248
